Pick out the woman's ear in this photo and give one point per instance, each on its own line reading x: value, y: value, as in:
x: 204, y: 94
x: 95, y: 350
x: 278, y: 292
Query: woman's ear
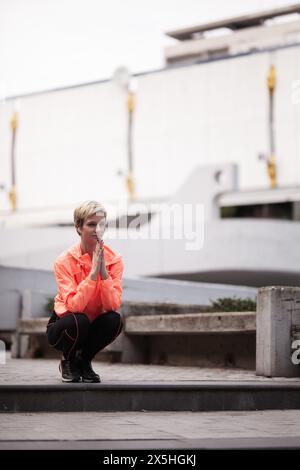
x: 78, y: 230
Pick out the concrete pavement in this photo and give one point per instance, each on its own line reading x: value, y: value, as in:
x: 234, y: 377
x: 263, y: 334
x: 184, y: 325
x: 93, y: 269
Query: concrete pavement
x: 144, y: 429
x: 45, y: 371
x: 158, y: 430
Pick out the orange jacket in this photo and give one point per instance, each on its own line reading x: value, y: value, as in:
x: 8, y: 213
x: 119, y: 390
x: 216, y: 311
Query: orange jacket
x: 79, y: 293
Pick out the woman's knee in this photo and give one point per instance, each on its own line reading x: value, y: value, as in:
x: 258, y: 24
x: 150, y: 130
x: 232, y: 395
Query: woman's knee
x: 113, y: 317
x: 115, y: 321
x: 51, y: 335
x: 74, y: 326
x: 82, y: 322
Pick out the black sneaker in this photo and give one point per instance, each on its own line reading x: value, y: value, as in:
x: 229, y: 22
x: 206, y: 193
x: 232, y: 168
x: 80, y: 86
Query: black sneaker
x: 69, y: 371
x: 87, y: 372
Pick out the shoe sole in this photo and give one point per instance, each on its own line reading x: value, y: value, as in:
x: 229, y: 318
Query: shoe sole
x: 91, y: 381
x: 71, y: 380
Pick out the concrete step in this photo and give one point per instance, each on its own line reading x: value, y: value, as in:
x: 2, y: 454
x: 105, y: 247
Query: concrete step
x: 149, y: 430
x: 151, y: 396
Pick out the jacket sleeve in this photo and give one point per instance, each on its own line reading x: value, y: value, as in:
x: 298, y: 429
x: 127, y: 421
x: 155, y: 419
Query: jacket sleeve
x: 74, y: 296
x: 111, y: 288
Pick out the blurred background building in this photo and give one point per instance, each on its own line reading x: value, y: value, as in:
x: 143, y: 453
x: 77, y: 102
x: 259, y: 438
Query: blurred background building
x: 227, y: 101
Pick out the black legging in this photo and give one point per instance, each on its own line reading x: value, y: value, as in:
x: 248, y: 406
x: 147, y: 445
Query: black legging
x: 75, y: 332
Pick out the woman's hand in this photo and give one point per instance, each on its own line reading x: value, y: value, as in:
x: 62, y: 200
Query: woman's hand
x: 103, y: 272
x: 96, y: 261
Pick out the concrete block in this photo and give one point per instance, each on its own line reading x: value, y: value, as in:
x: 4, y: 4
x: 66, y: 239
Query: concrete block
x: 192, y: 323
x: 278, y: 320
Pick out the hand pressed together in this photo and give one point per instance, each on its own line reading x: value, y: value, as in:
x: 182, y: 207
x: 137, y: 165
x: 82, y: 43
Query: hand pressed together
x: 98, y: 263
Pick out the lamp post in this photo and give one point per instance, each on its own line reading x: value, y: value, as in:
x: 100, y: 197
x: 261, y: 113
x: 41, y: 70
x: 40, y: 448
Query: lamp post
x: 13, y: 191
x: 3, y: 95
x: 271, y: 161
x: 123, y: 79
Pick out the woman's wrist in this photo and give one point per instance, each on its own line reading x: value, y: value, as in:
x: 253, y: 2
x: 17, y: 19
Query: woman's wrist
x: 93, y: 276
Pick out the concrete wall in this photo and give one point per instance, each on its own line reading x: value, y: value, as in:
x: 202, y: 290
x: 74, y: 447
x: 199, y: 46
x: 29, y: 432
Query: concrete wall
x: 196, y: 245
x: 236, y: 350
x: 13, y: 282
x: 245, y: 252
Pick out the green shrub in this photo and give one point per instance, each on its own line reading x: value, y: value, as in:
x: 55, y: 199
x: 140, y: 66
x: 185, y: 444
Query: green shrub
x: 232, y: 304
x: 223, y: 304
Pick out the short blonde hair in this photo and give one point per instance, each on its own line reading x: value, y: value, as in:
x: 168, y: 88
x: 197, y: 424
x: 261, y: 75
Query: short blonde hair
x: 85, y: 210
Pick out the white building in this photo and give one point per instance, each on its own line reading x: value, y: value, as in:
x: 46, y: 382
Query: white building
x: 210, y: 107
x: 71, y: 144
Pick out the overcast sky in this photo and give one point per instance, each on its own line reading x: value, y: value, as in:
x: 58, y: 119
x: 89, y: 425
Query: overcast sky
x: 51, y: 43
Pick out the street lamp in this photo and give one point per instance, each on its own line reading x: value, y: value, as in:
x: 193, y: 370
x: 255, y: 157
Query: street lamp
x: 3, y: 95
x: 14, y: 126
x: 270, y: 159
x: 123, y: 79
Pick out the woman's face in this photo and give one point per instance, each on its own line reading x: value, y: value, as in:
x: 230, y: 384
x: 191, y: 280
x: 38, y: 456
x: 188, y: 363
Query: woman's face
x: 88, y: 232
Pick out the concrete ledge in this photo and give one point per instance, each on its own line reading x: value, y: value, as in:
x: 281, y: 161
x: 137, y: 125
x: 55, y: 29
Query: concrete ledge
x: 168, y: 336
x: 33, y: 326
x: 192, y: 323
x: 37, y: 325
x: 206, y: 396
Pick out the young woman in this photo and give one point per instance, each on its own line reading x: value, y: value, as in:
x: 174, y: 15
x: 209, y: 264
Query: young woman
x: 89, y: 281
